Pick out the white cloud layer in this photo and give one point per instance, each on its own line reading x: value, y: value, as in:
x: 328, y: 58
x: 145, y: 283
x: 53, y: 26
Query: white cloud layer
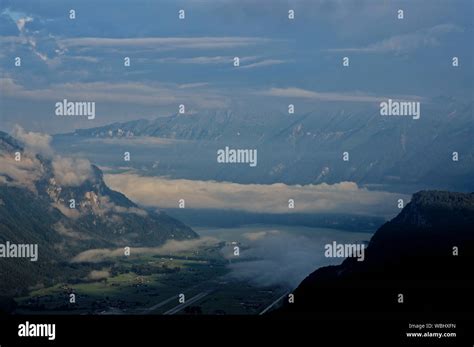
x: 344, y: 197
x: 278, y: 257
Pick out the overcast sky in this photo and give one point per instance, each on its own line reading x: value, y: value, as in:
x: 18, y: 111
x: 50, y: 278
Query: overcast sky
x: 190, y: 61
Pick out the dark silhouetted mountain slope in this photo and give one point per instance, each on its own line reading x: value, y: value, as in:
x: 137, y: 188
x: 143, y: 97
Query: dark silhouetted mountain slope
x: 410, y: 255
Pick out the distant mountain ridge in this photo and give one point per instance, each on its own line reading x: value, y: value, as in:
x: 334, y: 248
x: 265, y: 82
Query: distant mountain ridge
x: 307, y: 148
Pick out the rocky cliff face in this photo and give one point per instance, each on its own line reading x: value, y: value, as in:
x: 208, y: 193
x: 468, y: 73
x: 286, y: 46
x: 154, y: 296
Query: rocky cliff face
x: 65, y: 207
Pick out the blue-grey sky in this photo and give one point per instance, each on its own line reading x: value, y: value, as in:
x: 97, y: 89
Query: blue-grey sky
x: 190, y: 61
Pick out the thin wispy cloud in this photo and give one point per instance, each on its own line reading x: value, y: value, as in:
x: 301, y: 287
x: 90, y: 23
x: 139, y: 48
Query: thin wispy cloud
x: 198, y: 60
x: 170, y: 247
x: 430, y: 37
x: 293, y: 92
x: 38, y: 43
x: 193, y: 85
x: 263, y: 63
x: 207, y: 60
x: 246, y: 62
x: 165, y: 43
x: 120, y: 92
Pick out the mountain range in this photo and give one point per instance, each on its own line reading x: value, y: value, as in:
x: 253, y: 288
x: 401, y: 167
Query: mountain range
x: 41, y: 202
x: 400, y: 154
